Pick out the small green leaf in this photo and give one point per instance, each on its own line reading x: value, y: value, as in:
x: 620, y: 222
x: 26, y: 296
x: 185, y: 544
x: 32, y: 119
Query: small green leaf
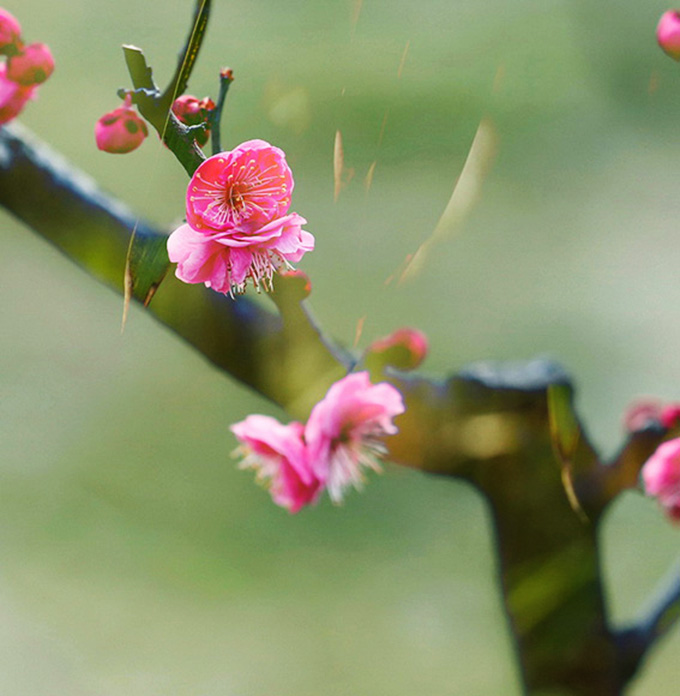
x: 564, y: 427
x: 145, y: 267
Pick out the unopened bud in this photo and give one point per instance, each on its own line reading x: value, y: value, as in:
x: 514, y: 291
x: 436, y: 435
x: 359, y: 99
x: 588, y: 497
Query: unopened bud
x: 13, y: 96
x: 31, y: 66
x: 404, y: 349
x: 670, y: 416
x: 641, y: 414
x: 668, y: 33
x: 192, y: 111
x: 10, y: 33
x: 121, y: 130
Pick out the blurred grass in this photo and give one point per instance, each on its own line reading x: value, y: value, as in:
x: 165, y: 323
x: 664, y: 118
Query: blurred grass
x: 136, y: 559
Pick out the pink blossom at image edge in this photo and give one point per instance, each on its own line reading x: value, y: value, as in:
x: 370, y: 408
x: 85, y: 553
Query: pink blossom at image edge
x: 668, y: 33
x: 341, y: 439
x: 661, y: 477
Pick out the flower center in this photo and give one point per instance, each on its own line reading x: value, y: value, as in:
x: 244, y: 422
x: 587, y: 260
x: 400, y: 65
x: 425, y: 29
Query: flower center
x: 242, y: 192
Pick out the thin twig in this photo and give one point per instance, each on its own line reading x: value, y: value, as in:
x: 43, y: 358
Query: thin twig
x: 226, y: 78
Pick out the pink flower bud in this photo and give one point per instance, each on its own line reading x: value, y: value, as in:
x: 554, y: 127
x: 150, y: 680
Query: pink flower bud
x: 405, y: 348
x: 121, y: 130
x: 641, y: 414
x: 192, y: 111
x: 668, y: 33
x: 661, y: 476
x: 670, y: 416
x: 10, y: 32
x: 13, y: 96
x: 32, y: 66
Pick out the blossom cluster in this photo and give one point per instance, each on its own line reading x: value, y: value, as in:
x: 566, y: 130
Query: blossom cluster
x: 238, y: 228
x: 342, y: 438
x: 26, y: 67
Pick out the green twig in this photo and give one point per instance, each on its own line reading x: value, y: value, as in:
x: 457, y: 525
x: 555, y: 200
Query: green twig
x: 226, y: 78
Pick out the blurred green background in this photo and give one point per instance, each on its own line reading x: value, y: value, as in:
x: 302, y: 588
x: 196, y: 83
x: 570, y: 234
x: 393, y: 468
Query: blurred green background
x: 136, y: 559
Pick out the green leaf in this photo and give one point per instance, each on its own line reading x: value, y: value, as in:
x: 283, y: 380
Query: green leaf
x: 146, y: 264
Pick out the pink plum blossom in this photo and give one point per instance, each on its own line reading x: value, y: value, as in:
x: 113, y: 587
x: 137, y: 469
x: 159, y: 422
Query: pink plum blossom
x: 247, y: 187
x: 121, y: 130
x: 13, y: 96
x: 668, y: 33
x: 10, y: 32
x: 278, y: 453
x: 344, y: 431
x: 224, y: 261
x: 238, y: 227
x: 32, y: 65
x: 661, y: 476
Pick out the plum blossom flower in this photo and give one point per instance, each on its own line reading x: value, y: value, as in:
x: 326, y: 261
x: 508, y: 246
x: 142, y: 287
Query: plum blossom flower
x: 224, y: 261
x: 344, y: 431
x: 661, y: 477
x: 238, y: 227
x: 247, y: 186
x: 13, y: 96
x: 278, y: 453
x: 121, y: 130
x: 341, y: 438
x: 32, y: 65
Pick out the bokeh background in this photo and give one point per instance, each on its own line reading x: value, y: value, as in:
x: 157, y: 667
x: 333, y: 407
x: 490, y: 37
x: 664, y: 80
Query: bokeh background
x: 136, y: 559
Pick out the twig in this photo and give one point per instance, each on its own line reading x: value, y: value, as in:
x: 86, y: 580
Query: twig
x: 226, y: 78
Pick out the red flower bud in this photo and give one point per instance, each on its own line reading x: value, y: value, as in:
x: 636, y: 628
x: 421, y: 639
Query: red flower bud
x: 192, y: 111
x: 10, y: 32
x: 121, y: 130
x: 13, y: 96
x: 31, y: 66
x: 405, y: 348
x: 668, y: 33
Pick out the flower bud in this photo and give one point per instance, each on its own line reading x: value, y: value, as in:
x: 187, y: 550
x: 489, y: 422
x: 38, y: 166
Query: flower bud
x: 670, y: 416
x: 10, y: 33
x: 13, y: 96
x: 668, y: 33
x: 661, y: 477
x: 31, y: 66
x: 642, y: 413
x: 192, y: 111
x: 121, y: 130
x: 404, y: 349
